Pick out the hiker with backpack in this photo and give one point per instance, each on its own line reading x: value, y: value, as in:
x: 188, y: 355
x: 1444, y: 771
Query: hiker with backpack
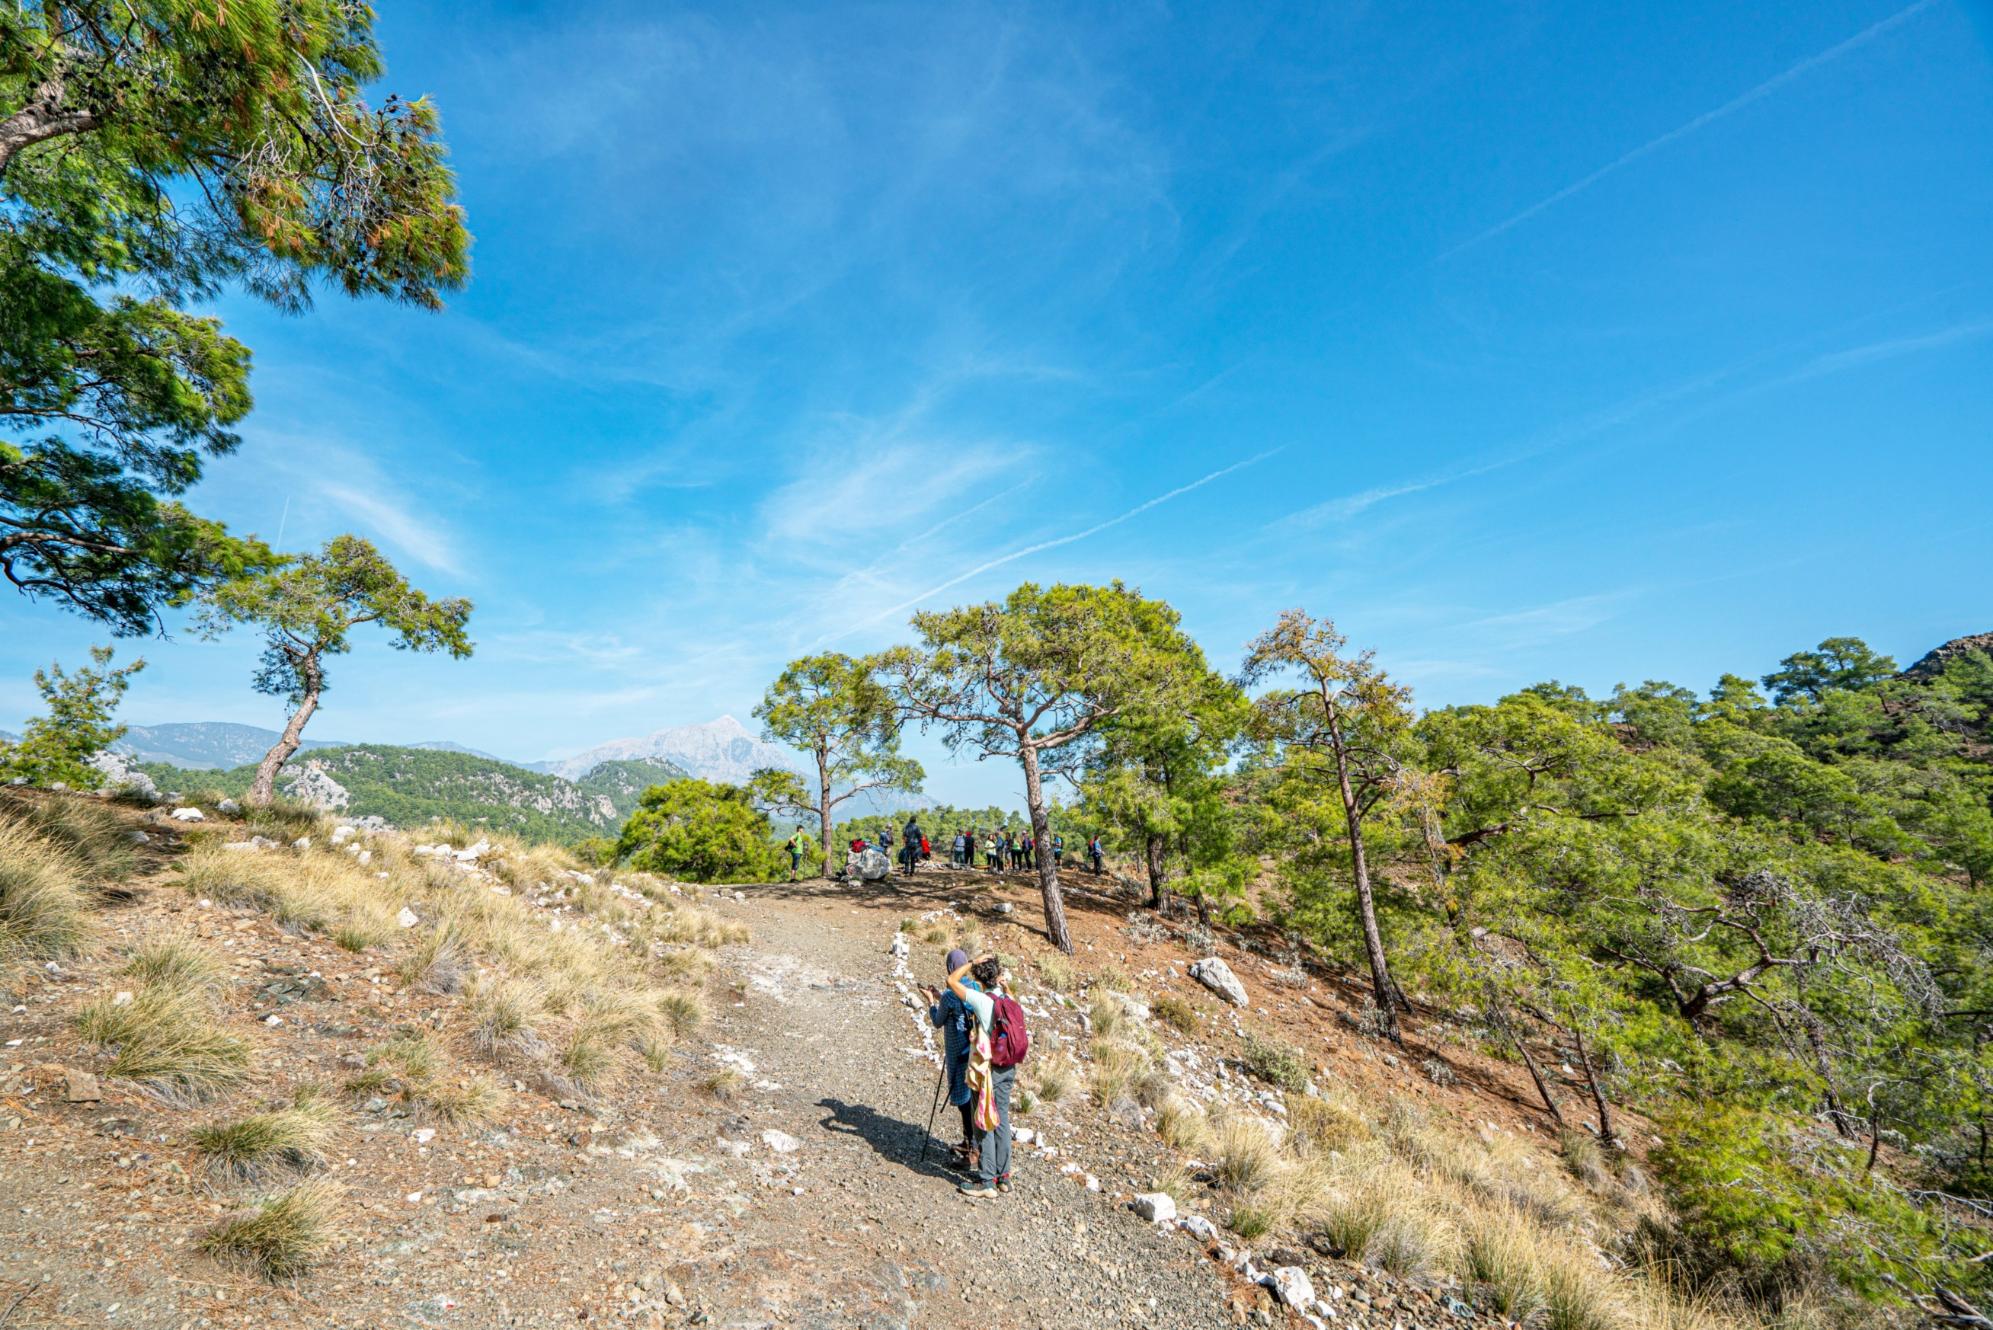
x: 1094, y: 851
x: 1000, y: 1045
x: 796, y: 844
x: 914, y: 843
x: 957, y: 1024
x: 1058, y: 849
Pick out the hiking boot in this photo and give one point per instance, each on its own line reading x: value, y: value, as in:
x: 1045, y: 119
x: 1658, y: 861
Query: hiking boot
x: 977, y: 1190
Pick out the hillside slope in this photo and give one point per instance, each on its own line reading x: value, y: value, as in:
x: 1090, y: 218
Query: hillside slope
x: 411, y: 786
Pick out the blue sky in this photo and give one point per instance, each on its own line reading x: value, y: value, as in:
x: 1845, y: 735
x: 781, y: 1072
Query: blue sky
x: 1601, y: 342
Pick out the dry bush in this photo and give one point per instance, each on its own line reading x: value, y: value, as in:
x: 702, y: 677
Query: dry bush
x: 723, y: 1084
x: 1056, y: 972
x: 1176, y: 1013
x: 1276, y: 1063
x: 440, y: 960
x: 503, y: 1011
x: 1245, y: 1154
x: 1584, y: 1157
x: 1056, y: 1078
x: 1117, y: 1068
x: 295, y: 1138
x: 284, y: 1236
x: 467, y: 1101
x: 1324, y: 1122
x: 1104, y: 1017
x: 1182, y: 1124
x: 1111, y: 978
x: 44, y: 902
x: 166, y: 1039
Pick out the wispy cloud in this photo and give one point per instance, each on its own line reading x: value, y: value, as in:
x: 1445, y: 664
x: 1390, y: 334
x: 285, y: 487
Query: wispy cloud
x: 1703, y: 121
x: 421, y: 538
x: 1039, y: 547
x: 1892, y: 349
x: 1558, y: 618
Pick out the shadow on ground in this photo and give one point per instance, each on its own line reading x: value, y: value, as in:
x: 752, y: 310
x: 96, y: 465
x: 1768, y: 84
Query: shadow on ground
x: 890, y: 1138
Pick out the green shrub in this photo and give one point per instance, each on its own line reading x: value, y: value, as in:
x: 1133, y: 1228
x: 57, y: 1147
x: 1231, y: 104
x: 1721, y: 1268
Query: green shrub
x: 1276, y: 1063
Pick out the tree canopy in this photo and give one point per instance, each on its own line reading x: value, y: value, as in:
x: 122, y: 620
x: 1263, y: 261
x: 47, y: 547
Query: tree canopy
x: 308, y: 608
x: 152, y: 154
x: 699, y: 831
x: 59, y: 744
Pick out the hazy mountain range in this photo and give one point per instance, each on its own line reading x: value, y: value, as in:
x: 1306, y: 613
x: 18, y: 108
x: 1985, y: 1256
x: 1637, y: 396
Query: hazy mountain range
x: 719, y: 750
x: 220, y: 744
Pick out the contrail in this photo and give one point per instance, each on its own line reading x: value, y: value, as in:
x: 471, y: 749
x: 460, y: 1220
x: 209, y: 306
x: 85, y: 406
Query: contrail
x: 1765, y: 89
x: 1057, y: 541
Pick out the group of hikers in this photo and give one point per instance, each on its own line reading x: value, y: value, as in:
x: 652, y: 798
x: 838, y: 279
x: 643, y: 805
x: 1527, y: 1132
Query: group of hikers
x: 984, y: 1039
x: 1001, y: 848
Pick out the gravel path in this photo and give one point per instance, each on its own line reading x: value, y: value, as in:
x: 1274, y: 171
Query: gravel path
x: 849, y: 1227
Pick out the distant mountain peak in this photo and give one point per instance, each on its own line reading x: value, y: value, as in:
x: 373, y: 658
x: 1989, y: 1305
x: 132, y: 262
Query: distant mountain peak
x: 718, y: 750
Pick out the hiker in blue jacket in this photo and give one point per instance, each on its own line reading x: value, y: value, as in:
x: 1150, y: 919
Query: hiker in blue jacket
x: 953, y: 1018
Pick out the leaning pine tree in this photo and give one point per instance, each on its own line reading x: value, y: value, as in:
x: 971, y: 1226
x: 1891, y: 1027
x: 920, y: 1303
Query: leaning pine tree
x: 1034, y: 678
x: 308, y: 609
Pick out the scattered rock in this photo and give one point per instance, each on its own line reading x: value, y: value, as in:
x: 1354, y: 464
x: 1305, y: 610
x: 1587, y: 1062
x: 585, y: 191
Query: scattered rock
x: 81, y: 1087
x: 407, y: 918
x: 781, y: 1142
x: 188, y: 815
x: 1217, y: 976
x: 1290, y: 1283
x: 228, y: 806
x: 1198, y: 1227
x: 1157, y: 1207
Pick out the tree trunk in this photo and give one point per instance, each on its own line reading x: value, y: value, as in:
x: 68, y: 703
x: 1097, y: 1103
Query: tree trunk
x: 265, y: 788
x: 1386, y: 991
x: 1153, y: 855
x: 823, y: 808
x: 1607, y: 1136
x: 1506, y: 1024
x: 1041, y: 832
x: 43, y: 118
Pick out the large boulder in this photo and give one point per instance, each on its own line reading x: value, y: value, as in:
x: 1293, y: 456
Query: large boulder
x: 313, y: 784
x: 1217, y: 976
x: 869, y: 865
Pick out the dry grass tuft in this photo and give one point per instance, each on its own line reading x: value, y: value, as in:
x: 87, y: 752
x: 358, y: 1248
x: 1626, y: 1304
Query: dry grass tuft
x: 166, y: 1039
x: 723, y: 1084
x: 465, y: 1102
x: 1056, y: 1079
x: 1056, y: 972
x: 1245, y: 1154
x: 44, y: 902
x: 1117, y: 1070
x: 1276, y: 1063
x: 284, y: 1236
x: 1182, y: 1124
x: 90, y: 835
x: 293, y: 1138
x: 174, y: 960
x: 1104, y: 1017
x: 502, y: 1012
x: 1176, y: 1013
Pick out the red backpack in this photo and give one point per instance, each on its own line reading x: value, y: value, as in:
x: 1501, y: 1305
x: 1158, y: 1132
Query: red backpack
x: 1009, y: 1039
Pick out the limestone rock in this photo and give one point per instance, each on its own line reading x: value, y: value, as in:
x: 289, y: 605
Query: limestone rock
x: 781, y: 1142
x: 1158, y: 1207
x: 1290, y: 1283
x: 189, y: 815
x: 1217, y: 976
x: 228, y: 806
x: 869, y: 866
x: 80, y: 1087
x: 121, y: 777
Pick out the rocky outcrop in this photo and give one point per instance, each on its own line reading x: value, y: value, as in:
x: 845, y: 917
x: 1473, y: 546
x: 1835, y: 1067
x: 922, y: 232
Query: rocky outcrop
x: 312, y: 784
x: 121, y: 777
x: 1933, y: 662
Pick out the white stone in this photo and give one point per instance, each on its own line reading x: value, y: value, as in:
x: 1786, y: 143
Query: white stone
x: 342, y: 834
x: 122, y: 998
x: 900, y: 946
x: 1158, y: 1207
x: 1023, y: 1135
x: 1092, y: 1182
x: 228, y: 806
x: 1292, y: 1286
x: 188, y: 815
x: 1198, y: 1227
x: 1217, y: 976
x: 407, y: 918
x: 301, y: 843
x: 273, y: 1019
x: 424, y: 1135
x: 781, y: 1142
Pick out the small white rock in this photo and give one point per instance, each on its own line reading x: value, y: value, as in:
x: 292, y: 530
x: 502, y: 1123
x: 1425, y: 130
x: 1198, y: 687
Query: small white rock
x: 273, y: 1019
x: 1157, y: 1207
x: 407, y: 918
x: 424, y: 1135
x: 781, y: 1142
x: 1292, y: 1286
x: 188, y: 815
x: 122, y: 998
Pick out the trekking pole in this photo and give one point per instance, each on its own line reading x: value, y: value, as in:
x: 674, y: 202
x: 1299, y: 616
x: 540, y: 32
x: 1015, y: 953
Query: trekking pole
x: 941, y: 1074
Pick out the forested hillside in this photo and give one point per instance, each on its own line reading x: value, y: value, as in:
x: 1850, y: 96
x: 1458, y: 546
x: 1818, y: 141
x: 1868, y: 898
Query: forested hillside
x: 411, y: 786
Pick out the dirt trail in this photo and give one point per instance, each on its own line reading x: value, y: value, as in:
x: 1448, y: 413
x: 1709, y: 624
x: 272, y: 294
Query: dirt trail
x: 851, y: 1228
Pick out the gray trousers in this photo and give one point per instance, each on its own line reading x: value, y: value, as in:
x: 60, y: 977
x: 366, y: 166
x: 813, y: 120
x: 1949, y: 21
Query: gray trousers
x: 995, y: 1145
